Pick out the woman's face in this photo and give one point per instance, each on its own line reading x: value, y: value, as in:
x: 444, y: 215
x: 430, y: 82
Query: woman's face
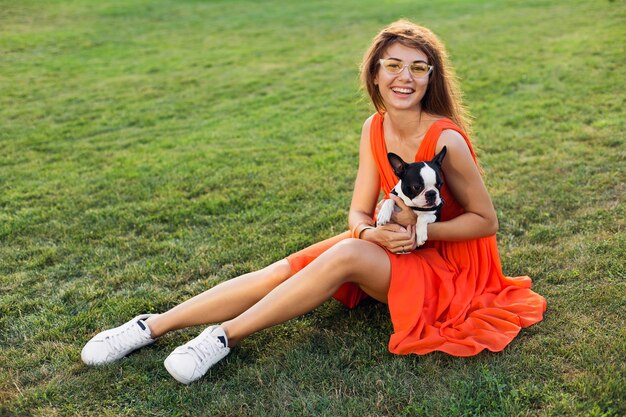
x: 402, y: 91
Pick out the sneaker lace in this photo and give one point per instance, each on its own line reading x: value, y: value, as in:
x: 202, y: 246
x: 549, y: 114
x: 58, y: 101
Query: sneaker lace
x: 205, y: 348
x: 128, y: 337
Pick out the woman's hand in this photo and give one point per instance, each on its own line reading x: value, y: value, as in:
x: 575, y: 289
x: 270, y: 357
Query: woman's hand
x: 405, y: 216
x: 393, y: 237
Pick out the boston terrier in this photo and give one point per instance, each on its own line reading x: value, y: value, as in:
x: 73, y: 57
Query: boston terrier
x: 418, y: 187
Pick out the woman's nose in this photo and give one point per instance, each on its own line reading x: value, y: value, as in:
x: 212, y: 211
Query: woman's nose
x: 405, y: 74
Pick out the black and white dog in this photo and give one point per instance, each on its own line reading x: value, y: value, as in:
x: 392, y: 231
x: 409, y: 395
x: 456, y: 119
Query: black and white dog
x: 419, y: 186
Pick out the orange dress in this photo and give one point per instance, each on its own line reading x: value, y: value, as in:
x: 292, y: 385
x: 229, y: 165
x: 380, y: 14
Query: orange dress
x: 446, y: 296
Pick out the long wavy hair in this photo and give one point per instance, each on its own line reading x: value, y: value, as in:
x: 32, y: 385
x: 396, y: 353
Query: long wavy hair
x: 443, y: 95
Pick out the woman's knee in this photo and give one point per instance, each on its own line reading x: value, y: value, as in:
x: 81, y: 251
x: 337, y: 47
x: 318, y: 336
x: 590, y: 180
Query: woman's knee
x: 349, y: 253
x: 359, y: 260
x: 276, y: 273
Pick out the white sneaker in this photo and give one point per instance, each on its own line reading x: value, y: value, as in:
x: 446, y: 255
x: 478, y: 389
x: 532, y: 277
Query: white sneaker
x: 111, y: 345
x: 192, y: 360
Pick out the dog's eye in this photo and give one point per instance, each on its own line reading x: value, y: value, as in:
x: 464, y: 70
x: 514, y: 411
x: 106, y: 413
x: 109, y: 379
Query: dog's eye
x: 417, y: 189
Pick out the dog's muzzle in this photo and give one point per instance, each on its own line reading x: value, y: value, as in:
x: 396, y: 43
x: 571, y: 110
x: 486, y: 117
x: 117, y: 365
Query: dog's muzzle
x: 431, y: 197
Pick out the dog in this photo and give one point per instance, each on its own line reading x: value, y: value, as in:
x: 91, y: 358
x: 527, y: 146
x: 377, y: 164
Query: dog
x: 419, y: 187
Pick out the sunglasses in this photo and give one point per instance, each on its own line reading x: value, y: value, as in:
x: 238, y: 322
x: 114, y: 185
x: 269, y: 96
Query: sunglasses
x: 417, y: 69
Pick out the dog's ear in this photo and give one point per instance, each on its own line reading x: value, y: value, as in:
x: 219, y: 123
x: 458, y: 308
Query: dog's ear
x: 438, y: 159
x: 397, y: 164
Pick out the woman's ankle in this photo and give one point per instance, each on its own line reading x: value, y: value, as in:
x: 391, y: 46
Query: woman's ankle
x: 155, y: 324
x: 231, y: 336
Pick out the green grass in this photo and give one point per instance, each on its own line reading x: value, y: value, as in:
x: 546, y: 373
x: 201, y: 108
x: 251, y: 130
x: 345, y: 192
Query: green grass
x: 151, y: 149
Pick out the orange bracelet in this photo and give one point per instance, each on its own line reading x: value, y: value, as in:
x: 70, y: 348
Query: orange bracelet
x: 358, y: 236
x: 354, y: 230
x: 358, y: 229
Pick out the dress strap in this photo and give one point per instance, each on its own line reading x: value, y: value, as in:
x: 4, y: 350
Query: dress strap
x: 377, y: 142
x: 429, y: 146
x: 379, y: 150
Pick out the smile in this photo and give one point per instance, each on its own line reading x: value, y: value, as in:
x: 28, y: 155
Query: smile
x: 401, y: 90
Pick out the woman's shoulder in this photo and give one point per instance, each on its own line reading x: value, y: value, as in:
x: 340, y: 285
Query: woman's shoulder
x: 451, y: 139
x: 368, y: 122
x: 456, y: 145
x: 367, y: 125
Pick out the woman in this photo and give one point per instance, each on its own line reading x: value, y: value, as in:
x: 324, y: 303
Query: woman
x: 449, y: 295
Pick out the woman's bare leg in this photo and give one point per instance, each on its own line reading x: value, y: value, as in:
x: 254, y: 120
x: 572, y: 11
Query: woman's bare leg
x: 222, y: 302
x: 351, y: 260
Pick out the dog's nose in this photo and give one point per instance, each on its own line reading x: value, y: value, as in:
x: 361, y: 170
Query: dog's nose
x: 430, y: 195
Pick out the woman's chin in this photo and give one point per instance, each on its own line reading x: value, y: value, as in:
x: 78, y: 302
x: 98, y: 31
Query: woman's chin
x: 391, y: 106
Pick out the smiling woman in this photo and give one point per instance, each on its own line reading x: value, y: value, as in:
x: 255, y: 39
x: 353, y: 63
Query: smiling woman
x: 447, y: 294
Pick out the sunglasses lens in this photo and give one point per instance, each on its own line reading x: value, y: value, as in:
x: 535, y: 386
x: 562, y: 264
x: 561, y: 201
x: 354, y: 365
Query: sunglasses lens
x: 392, y: 66
x: 419, y: 69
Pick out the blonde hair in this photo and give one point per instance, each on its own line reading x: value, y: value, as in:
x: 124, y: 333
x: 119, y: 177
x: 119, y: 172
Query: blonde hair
x: 443, y: 95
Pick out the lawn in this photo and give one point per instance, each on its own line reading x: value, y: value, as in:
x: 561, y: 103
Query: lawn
x: 151, y: 149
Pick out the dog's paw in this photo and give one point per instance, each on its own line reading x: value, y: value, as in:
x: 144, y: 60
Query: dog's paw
x: 421, y: 238
x: 421, y: 230
x: 384, y: 215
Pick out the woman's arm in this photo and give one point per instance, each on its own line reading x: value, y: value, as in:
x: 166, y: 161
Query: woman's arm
x: 366, y: 189
x: 367, y: 183
x: 463, y: 178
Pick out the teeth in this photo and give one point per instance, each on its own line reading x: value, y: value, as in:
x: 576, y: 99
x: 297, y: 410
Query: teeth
x: 403, y: 90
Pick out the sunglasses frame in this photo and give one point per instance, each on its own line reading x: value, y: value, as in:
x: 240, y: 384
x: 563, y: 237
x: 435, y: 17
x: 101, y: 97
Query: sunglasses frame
x: 382, y: 60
